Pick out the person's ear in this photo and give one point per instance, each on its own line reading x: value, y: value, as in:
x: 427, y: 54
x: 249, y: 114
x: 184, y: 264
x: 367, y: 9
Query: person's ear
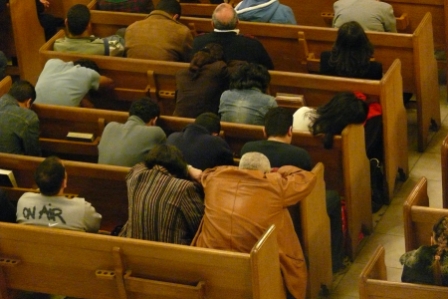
x: 290, y: 131
x: 264, y: 133
x: 176, y: 17
x: 66, y: 22
x: 26, y: 104
x: 152, y: 121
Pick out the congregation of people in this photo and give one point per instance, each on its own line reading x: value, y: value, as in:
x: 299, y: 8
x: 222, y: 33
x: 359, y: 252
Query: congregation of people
x: 189, y: 187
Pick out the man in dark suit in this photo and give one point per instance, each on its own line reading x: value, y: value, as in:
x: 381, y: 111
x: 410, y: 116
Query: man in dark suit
x: 235, y: 46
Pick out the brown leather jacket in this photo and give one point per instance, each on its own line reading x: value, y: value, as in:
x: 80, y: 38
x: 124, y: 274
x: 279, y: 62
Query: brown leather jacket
x: 241, y: 204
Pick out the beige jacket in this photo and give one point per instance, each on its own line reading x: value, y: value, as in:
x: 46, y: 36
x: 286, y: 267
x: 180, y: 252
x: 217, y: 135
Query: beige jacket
x: 241, y: 204
x: 158, y: 37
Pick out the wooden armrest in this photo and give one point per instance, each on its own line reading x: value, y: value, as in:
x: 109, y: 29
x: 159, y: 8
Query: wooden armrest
x: 166, y: 94
x: 328, y: 17
x: 402, y: 21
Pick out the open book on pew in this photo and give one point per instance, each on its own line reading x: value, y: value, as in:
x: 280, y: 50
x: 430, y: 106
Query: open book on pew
x: 7, y: 178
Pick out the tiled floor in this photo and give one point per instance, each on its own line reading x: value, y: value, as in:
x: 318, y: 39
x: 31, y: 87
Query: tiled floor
x: 389, y: 230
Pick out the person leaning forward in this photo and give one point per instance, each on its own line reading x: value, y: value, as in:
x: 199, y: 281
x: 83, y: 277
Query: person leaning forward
x: 241, y: 203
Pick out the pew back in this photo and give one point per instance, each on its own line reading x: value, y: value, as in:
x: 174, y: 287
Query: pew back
x: 373, y: 283
x: 418, y: 220
x: 102, y: 185
x: 97, y: 266
x: 418, y: 217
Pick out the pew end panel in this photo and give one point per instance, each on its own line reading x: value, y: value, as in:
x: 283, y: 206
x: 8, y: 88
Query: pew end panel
x: 418, y: 217
x: 315, y: 236
x: 394, y: 127
x: 444, y: 158
x: 101, y: 266
x: 27, y: 42
x: 356, y: 185
x: 373, y: 283
x: 426, y: 81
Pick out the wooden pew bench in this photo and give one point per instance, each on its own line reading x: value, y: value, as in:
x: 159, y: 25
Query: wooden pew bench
x: 95, y: 266
x: 346, y: 163
x: 373, y: 283
x: 138, y: 77
x: 104, y: 186
x: 418, y: 220
x: 418, y: 217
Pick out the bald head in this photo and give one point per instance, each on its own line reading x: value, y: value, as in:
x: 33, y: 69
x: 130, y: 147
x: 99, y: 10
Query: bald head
x: 224, y: 17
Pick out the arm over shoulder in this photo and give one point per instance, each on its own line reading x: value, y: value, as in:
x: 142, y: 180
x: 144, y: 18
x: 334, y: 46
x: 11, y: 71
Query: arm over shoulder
x: 296, y: 184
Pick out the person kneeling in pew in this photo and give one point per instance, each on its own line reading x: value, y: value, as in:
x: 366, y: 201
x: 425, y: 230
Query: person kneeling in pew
x: 50, y: 207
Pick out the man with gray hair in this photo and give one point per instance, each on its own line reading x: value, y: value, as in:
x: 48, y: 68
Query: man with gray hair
x: 235, y: 46
x: 255, y: 161
x: 242, y: 202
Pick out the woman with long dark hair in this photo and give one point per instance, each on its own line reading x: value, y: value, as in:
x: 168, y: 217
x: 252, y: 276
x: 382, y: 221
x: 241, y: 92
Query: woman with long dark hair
x: 351, y: 55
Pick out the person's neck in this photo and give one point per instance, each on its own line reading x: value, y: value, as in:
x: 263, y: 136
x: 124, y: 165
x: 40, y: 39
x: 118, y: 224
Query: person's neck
x: 282, y: 139
x: 82, y: 35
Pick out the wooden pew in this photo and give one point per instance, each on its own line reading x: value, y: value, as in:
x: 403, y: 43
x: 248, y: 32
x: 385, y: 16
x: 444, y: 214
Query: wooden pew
x: 102, y: 185
x: 109, y: 197
x: 5, y: 85
x: 137, y: 77
x: 418, y: 220
x: 444, y: 165
x: 418, y: 217
x: 415, y: 50
x: 101, y: 267
x: 373, y: 283
x: 346, y: 163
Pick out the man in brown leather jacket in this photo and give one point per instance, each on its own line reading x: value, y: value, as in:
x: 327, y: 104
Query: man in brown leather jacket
x: 241, y: 203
